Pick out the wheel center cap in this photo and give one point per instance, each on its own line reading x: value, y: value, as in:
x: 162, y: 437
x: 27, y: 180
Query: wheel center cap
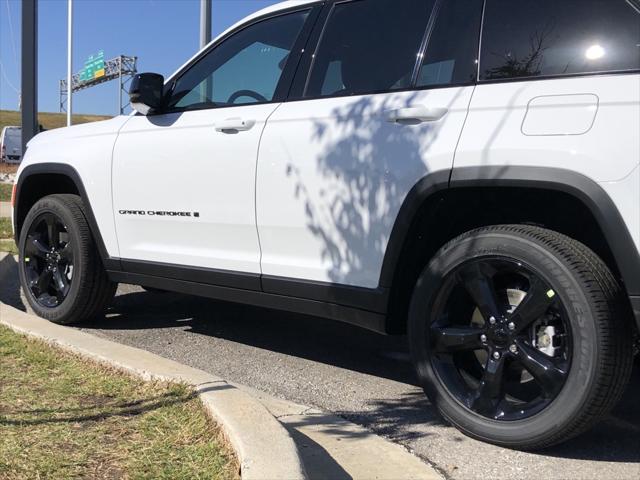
x: 53, y: 259
x: 499, y: 334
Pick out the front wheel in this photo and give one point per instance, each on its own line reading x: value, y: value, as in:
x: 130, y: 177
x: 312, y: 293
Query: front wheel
x: 61, y: 273
x: 520, y: 336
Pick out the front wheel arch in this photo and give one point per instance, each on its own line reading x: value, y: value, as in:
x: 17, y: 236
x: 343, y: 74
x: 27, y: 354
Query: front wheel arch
x: 39, y: 180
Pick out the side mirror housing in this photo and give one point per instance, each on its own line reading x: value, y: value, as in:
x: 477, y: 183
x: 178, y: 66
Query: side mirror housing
x: 145, y: 93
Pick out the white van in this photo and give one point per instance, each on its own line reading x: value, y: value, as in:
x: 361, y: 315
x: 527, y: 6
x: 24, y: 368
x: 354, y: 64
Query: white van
x: 11, y: 144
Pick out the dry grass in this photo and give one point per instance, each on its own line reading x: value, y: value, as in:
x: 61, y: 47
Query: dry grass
x: 5, y: 228
x: 8, y: 245
x: 5, y: 192
x: 6, y: 238
x: 63, y: 417
x: 8, y: 167
x: 47, y: 120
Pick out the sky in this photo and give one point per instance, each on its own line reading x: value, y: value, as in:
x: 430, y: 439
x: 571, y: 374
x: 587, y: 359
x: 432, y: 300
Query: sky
x: 163, y: 34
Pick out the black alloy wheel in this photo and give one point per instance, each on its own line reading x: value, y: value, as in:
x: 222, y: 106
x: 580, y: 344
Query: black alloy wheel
x: 61, y: 272
x: 500, y: 339
x: 520, y: 336
x: 48, y: 260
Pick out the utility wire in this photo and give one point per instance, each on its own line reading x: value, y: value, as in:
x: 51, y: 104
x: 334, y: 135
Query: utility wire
x: 13, y: 42
x: 2, y: 69
x: 15, y: 55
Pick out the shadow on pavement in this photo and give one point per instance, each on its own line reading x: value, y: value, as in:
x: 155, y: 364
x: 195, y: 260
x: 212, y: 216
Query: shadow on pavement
x: 615, y: 439
x: 312, y: 338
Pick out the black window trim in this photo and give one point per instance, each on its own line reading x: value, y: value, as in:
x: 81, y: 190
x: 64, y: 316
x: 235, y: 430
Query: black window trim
x: 560, y: 76
x: 288, y: 73
x: 481, y: 33
x: 425, y: 43
x: 608, y: 73
x: 431, y: 27
x: 305, y: 66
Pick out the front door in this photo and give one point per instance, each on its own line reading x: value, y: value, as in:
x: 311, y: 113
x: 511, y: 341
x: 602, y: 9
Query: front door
x: 184, y: 180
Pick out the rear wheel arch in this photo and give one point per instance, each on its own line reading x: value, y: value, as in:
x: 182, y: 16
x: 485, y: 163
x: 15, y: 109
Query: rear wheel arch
x: 440, y: 208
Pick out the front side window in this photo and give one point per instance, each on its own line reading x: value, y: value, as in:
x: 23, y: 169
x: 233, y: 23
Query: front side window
x: 244, y: 69
x: 530, y: 38
x: 452, y: 53
x: 368, y: 46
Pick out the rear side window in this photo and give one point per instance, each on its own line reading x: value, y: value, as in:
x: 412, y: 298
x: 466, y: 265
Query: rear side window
x: 452, y: 53
x: 530, y: 38
x: 369, y: 46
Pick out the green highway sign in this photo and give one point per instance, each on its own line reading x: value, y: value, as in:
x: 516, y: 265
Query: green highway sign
x: 93, y: 67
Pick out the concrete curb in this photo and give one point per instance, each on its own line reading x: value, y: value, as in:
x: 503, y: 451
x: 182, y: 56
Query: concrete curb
x: 264, y: 447
x: 346, y: 450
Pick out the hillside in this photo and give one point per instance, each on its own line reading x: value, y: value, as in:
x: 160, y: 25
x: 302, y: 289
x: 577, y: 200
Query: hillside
x: 48, y: 120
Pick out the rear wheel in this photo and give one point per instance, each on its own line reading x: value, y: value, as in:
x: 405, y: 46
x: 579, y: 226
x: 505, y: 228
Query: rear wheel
x: 61, y: 273
x: 520, y: 336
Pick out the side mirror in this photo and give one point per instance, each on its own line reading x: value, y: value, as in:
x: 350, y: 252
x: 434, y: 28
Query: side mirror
x: 145, y: 93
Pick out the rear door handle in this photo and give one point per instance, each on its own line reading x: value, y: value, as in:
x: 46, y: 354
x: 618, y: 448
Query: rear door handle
x: 233, y: 125
x: 415, y: 115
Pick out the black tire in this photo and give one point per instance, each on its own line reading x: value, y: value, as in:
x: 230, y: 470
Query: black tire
x: 591, y: 336
x: 87, y: 290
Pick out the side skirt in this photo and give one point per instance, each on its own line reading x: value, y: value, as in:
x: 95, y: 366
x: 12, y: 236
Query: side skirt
x: 355, y: 316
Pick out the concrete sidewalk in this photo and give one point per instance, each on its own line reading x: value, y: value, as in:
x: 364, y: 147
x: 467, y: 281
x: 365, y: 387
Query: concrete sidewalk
x: 5, y: 209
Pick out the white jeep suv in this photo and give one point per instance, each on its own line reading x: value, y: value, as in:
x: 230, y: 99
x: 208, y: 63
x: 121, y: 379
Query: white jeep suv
x: 462, y: 171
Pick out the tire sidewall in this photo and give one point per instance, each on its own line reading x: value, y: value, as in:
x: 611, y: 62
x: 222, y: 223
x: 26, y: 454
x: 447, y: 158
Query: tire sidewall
x: 80, y: 259
x: 584, y: 359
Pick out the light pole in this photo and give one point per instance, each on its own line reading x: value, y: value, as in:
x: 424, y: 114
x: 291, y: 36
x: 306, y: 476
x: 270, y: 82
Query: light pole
x: 205, y: 37
x: 205, y: 22
x: 29, y: 84
x: 69, y: 60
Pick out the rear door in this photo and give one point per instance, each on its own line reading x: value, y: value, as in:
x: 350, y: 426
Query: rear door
x: 371, y: 114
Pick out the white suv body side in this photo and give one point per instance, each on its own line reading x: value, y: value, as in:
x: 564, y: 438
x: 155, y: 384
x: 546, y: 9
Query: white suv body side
x: 313, y: 189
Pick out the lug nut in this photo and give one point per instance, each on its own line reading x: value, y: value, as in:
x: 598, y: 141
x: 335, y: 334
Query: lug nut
x: 496, y: 355
x: 483, y: 338
x: 512, y: 326
x: 492, y: 320
x: 513, y: 349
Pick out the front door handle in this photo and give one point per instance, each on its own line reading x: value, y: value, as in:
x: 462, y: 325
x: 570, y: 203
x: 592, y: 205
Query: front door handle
x: 415, y: 115
x: 234, y: 125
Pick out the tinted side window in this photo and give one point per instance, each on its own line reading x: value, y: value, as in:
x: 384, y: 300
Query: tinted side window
x: 529, y: 38
x: 452, y: 53
x: 245, y: 68
x: 369, y: 46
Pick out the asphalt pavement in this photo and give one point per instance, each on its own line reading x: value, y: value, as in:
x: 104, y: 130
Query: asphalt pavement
x: 363, y: 377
